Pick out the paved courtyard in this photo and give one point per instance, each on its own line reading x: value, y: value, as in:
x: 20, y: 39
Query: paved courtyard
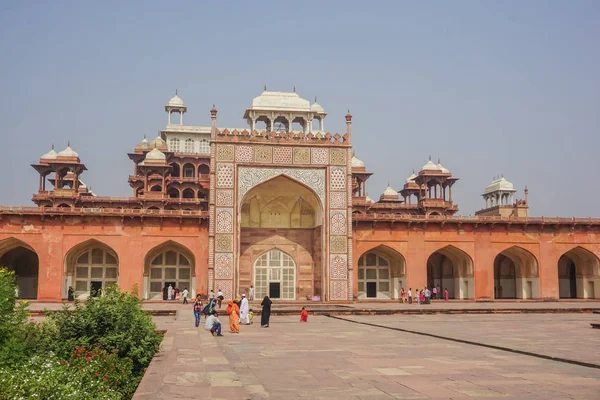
x: 335, y: 359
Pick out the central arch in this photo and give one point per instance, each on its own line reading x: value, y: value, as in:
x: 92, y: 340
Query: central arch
x: 381, y: 274
x: 516, y: 275
x: 19, y: 257
x: 451, y: 268
x: 275, y: 275
x: 284, y: 216
x: 579, y: 274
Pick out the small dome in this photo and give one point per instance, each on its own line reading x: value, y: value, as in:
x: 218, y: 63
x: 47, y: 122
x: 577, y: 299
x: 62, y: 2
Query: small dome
x: 159, y: 143
x: 317, y: 108
x: 443, y: 169
x: 356, y: 163
x: 51, y: 155
x: 430, y: 166
x: 155, y: 155
x: 411, y: 178
x: 389, y: 192
x: 68, y: 152
x: 500, y: 184
x: 143, y: 144
x: 176, y: 101
x: 370, y: 200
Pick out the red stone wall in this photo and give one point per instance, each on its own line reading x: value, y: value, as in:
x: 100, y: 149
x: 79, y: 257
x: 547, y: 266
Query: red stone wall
x: 298, y: 243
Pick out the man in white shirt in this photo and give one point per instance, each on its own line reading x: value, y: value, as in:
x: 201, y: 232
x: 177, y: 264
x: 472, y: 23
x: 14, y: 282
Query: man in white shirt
x: 251, y: 294
x: 244, y: 309
x: 212, y: 324
x: 219, y: 297
x: 410, y: 296
x: 185, y: 295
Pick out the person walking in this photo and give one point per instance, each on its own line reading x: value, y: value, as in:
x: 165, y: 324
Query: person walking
x: 427, y: 296
x: 220, y: 297
x: 434, y: 291
x: 417, y: 296
x: 265, y: 313
x: 170, y: 292
x: 234, y: 317
x: 69, y: 293
x: 409, y: 295
x: 197, y: 310
x: 446, y: 294
x: 184, y: 294
x: 304, y: 315
x: 251, y: 294
x: 244, y: 311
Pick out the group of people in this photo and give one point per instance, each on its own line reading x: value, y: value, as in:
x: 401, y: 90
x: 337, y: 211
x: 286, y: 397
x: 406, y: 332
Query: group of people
x: 424, y: 296
x: 239, y: 312
x: 173, y: 293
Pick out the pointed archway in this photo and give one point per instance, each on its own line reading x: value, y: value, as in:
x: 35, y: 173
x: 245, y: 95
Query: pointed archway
x: 19, y: 257
x: 169, y: 263
x: 381, y: 274
x: 579, y: 274
x: 450, y: 268
x: 516, y: 275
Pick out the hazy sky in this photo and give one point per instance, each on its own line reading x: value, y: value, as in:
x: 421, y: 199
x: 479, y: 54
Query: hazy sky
x: 505, y: 87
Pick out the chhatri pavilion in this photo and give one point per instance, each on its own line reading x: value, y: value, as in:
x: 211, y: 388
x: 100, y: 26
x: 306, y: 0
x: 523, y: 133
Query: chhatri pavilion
x: 281, y: 204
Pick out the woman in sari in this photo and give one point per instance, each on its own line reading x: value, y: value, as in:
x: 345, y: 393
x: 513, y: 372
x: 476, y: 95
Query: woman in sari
x: 234, y: 316
x: 265, y: 314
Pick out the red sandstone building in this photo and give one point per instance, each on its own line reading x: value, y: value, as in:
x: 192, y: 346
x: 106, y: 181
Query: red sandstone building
x: 284, y: 208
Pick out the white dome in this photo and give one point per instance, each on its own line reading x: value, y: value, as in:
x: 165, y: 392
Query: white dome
x: 68, y: 152
x: 370, y: 200
x: 51, y: 155
x: 317, y: 108
x: 411, y: 178
x: 143, y: 144
x: 444, y: 170
x: 430, y: 166
x: 155, y: 155
x: 158, y: 142
x: 389, y: 192
x: 500, y: 185
x: 176, y: 101
x: 356, y: 163
x: 279, y: 101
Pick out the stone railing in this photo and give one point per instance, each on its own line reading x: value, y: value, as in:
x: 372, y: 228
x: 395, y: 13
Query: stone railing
x: 100, y: 210
x: 474, y: 219
x: 282, y: 137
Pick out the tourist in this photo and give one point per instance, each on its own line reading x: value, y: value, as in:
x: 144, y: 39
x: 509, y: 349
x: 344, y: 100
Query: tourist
x: 422, y: 297
x: 211, y: 295
x: 170, y: 292
x: 197, y: 309
x: 219, y: 297
x: 212, y: 324
x: 434, y: 290
x: 446, y: 294
x: 69, y: 293
x: 164, y: 292
x: 244, y: 311
x: 427, y: 296
x: 402, y: 296
x: 304, y: 315
x: 234, y: 317
x: 417, y: 296
x: 209, y: 308
x: 185, y: 295
x: 251, y: 294
x: 409, y: 295
x: 250, y: 315
x: 439, y: 292
x: 265, y: 314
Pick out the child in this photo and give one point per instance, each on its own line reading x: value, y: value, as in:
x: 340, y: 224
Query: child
x: 304, y: 315
x: 250, y: 315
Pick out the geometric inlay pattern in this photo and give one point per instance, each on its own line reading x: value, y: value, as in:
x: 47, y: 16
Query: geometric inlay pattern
x: 262, y: 154
x: 224, y: 242
x: 338, y: 244
x: 301, y: 155
x: 225, y: 286
x: 224, y: 220
x: 337, y: 199
x: 338, y: 156
x: 224, y: 152
x: 338, y: 267
x: 225, y: 175
x: 243, y: 153
x: 282, y: 155
x: 339, y: 290
x: 224, y: 266
x: 249, y: 177
x: 338, y: 178
x: 319, y: 156
x: 224, y: 197
x: 338, y: 223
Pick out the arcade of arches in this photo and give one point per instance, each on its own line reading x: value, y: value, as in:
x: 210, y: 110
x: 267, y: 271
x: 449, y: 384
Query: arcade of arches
x: 281, y: 241
x: 452, y: 269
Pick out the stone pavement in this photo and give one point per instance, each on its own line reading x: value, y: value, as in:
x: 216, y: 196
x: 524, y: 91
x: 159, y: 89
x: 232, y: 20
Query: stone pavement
x: 328, y: 358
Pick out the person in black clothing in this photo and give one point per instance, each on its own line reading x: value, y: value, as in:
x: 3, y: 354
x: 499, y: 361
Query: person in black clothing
x: 265, y: 314
x: 70, y: 293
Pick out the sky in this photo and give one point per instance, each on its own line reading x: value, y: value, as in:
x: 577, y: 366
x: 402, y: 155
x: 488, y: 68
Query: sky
x: 488, y: 87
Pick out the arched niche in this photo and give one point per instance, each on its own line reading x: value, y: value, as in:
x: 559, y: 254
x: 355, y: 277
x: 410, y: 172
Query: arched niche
x: 516, y: 274
x: 579, y: 274
x: 169, y: 263
x: 451, y: 268
x: 275, y: 275
x: 381, y: 274
x: 21, y: 258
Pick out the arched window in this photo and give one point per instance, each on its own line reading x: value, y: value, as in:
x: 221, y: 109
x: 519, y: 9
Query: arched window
x: 204, y: 146
x: 189, y: 146
x: 169, y: 268
x: 189, y: 171
x: 374, y: 276
x: 203, y: 169
x: 174, y: 145
x: 188, y: 194
x: 275, y: 275
x: 95, y: 269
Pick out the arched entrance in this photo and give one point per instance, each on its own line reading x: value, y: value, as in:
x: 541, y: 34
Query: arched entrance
x: 516, y: 275
x: 168, y: 264
x: 579, y: 274
x: 283, y: 216
x: 20, y: 258
x: 91, y: 267
x: 275, y: 276
x: 452, y: 269
x: 381, y: 274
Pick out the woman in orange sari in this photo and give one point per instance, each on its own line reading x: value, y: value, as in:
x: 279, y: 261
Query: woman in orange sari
x: 234, y: 316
